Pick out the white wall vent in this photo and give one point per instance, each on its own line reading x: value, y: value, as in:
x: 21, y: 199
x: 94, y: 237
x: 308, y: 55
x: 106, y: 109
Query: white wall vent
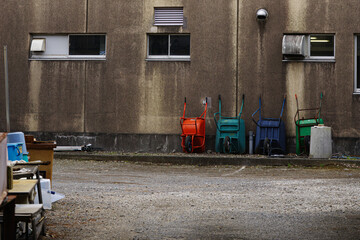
x: 294, y: 46
x: 169, y: 16
x: 38, y: 45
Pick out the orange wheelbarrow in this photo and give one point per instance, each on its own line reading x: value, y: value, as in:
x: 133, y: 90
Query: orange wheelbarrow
x: 193, y: 132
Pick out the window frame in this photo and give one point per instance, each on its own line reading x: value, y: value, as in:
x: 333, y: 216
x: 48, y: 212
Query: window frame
x: 167, y: 57
x: 356, y: 87
x: 307, y: 48
x: 66, y: 56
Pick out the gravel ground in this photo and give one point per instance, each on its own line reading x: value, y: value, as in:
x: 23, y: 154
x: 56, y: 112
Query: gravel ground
x: 117, y: 200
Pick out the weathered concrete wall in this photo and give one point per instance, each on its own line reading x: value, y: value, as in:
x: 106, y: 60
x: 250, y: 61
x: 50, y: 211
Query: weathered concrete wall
x: 44, y: 95
x: 260, y: 59
x: 130, y: 95
x: 231, y: 54
x: 336, y: 80
x: 125, y: 93
x: 261, y: 71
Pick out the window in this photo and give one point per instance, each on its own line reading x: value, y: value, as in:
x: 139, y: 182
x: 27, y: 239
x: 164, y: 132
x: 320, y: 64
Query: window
x: 168, y: 16
x: 87, y: 45
x: 67, y: 47
x: 357, y: 65
x: 322, y: 46
x: 311, y: 47
x: 169, y: 47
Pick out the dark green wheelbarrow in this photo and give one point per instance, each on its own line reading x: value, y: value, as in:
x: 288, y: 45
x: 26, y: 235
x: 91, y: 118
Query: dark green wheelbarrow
x: 230, y: 132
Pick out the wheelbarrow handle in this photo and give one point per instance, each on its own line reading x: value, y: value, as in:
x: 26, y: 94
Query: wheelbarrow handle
x: 184, y: 107
x: 216, y: 121
x: 242, y: 105
x: 258, y: 110
x: 297, y: 103
x: 203, y: 115
x: 282, y: 108
x: 252, y: 116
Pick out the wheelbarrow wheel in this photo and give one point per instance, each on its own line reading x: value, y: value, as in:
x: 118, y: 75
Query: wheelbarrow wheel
x: 188, y: 144
x: 266, y: 146
x: 307, y: 144
x: 227, y: 144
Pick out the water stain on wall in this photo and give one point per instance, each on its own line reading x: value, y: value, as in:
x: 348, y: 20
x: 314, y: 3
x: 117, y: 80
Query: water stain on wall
x: 32, y: 115
x: 296, y: 15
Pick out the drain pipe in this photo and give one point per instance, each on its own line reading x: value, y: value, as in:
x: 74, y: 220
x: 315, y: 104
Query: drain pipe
x: 237, y: 57
x: 251, y: 142
x: 7, y: 100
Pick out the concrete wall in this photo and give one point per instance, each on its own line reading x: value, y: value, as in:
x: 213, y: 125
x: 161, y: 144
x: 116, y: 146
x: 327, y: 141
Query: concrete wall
x: 231, y: 54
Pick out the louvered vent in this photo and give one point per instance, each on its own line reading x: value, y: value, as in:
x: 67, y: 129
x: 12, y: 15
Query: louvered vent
x: 169, y: 16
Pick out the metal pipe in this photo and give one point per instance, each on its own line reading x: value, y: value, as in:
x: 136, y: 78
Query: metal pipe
x: 251, y: 142
x: 6, y: 90
x: 237, y: 57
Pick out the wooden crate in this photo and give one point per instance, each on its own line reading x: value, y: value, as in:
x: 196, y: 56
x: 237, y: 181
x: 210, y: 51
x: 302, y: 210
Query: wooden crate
x: 44, y: 151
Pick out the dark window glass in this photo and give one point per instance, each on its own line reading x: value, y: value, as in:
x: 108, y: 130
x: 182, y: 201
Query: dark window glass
x: 321, y: 46
x: 87, y: 45
x: 179, y: 44
x: 158, y: 44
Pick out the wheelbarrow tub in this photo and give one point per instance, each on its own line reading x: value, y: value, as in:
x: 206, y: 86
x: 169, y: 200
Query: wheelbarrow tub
x: 234, y: 128
x: 303, y: 129
x: 193, y: 126
x: 306, y: 124
x: 274, y: 131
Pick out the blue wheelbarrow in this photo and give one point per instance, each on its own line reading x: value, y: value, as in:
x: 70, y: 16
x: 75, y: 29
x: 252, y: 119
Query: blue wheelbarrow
x: 270, y: 133
x: 230, y: 132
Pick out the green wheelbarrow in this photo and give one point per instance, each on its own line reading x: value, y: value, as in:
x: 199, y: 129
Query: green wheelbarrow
x: 303, y: 126
x: 230, y: 132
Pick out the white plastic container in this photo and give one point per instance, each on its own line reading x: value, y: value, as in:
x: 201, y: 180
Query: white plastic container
x: 320, y: 142
x: 46, y: 193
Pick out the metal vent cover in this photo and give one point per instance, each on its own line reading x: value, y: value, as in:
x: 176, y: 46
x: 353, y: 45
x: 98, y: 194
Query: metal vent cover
x: 38, y: 45
x: 169, y: 16
x: 294, y: 45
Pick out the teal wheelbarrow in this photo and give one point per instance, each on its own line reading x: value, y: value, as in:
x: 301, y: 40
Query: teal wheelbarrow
x: 230, y: 132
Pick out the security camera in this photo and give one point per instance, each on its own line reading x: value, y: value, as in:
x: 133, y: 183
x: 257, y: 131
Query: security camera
x: 261, y: 14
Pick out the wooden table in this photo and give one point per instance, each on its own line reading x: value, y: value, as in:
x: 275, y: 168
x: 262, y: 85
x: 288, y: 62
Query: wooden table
x: 23, y: 188
x: 33, y: 214
x: 29, y: 213
x: 32, y: 170
x: 7, y: 217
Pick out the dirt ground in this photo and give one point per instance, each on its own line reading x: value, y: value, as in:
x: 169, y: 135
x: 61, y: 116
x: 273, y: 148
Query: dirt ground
x: 118, y: 200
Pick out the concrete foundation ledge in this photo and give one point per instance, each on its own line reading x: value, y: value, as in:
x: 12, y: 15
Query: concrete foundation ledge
x: 207, y: 159
x: 163, y: 143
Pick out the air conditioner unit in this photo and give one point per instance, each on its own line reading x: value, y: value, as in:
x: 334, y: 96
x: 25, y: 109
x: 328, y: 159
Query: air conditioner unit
x: 294, y: 46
